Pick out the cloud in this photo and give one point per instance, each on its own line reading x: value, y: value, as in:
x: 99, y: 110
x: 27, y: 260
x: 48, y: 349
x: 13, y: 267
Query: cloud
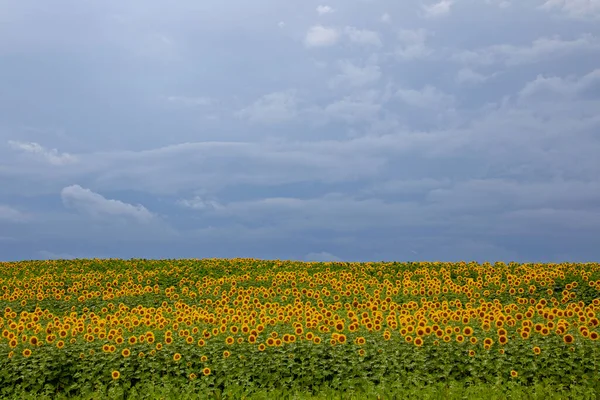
x: 51, y: 156
x: 413, y: 44
x: 11, y: 214
x: 321, y: 36
x: 200, y: 203
x: 499, y: 3
x: 322, y: 10
x: 468, y: 76
x: 363, y: 36
x: 96, y: 205
x: 281, y: 24
x: 271, y: 108
x: 356, y: 76
x: 428, y: 97
x: 356, y: 107
x: 322, y: 256
x: 575, y: 8
x: 438, y: 9
x: 386, y: 18
x: 546, y: 88
x: 540, y: 49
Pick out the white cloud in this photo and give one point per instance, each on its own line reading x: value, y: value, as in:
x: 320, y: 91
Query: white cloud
x: 322, y: 10
x: 356, y: 76
x: 321, y: 36
x: 271, y: 108
x: 322, y: 256
x: 540, y: 49
x: 386, y: 18
x: 51, y: 156
x: 428, y: 97
x: 575, y: 8
x: 96, y: 205
x: 200, y: 203
x: 11, y: 214
x: 281, y: 24
x: 413, y: 44
x: 438, y: 9
x: 363, y: 36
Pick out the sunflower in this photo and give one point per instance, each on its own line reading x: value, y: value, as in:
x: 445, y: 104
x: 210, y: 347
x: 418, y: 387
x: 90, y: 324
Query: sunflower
x: 360, y: 340
x: 514, y: 373
x: 206, y: 371
x: 418, y: 341
x: 261, y: 347
x: 229, y: 340
x: 537, y: 350
x: 26, y: 353
x: 176, y: 356
x: 116, y: 375
x: 60, y: 344
x: 226, y: 354
x: 203, y: 359
x: 568, y: 338
x: 126, y: 353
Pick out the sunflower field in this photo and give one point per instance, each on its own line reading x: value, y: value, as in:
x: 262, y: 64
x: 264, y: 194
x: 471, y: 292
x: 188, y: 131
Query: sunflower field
x: 215, y: 325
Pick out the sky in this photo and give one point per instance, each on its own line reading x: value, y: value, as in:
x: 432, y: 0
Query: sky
x: 354, y: 130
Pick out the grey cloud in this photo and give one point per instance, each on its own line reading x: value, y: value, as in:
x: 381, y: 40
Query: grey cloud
x: 544, y: 86
x: 199, y: 203
x: 413, y: 44
x: 363, y: 36
x: 364, y: 133
x: 581, y: 9
x: 540, y: 49
x: 356, y: 76
x: 427, y: 97
x: 10, y: 214
x: 468, y: 76
x: 271, y: 108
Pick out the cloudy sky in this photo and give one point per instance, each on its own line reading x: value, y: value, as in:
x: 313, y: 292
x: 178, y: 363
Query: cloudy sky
x: 340, y: 130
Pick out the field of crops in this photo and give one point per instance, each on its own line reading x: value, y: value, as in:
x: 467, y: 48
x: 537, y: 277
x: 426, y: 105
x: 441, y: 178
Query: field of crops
x: 243, y: 325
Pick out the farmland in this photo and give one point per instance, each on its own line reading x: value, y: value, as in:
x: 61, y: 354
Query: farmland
x: 244, y: 326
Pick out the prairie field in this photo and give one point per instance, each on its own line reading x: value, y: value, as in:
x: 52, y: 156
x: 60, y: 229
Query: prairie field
x: 235, y: 328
